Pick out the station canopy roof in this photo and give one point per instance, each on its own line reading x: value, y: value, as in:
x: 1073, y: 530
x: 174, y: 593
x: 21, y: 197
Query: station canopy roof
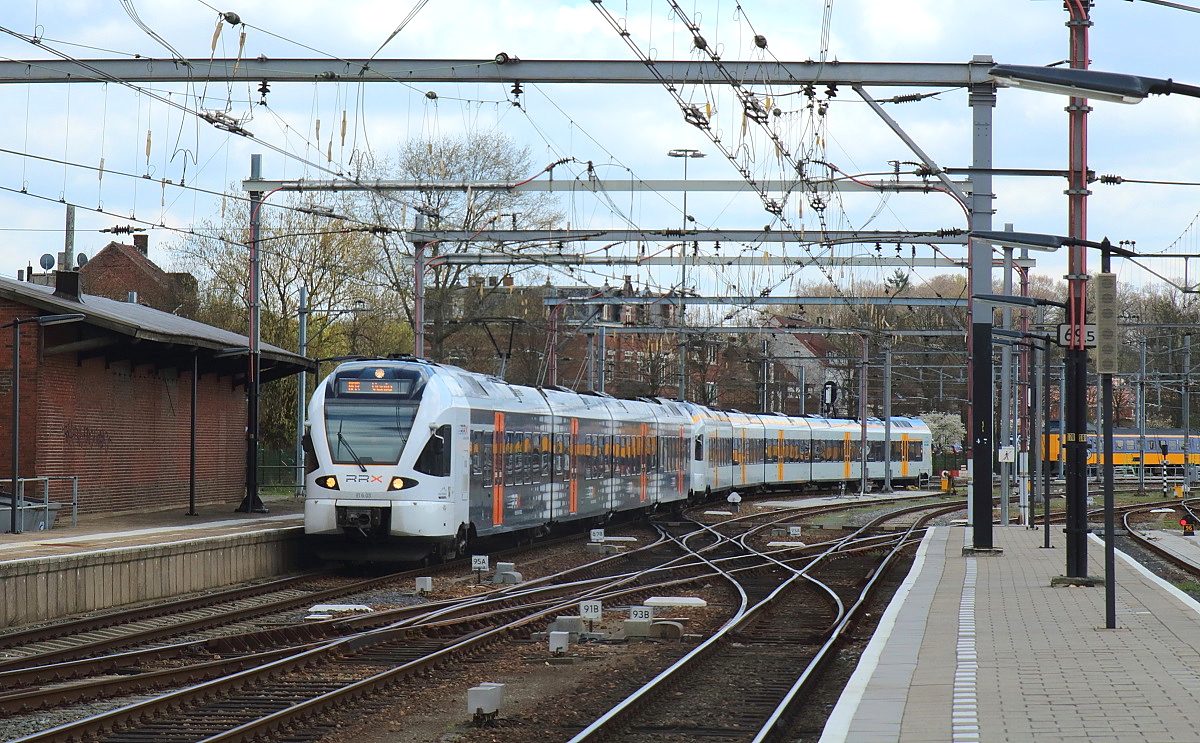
x: 128, y: 331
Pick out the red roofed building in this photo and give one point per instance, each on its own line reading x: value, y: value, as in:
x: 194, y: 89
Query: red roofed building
x: 119, y: 270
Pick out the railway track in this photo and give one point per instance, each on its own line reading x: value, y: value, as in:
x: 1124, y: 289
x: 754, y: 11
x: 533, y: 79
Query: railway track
x: 228, y: 620
x: 1139, y: 539
x: 279, y: 677
x: 273, y: 693
x: 746, y: 681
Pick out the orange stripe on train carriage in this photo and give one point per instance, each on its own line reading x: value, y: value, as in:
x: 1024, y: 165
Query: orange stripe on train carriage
x: 641, y: 450
x: 498, y: 469
x: 846, y: 455
x: 742, y: 456
x: 779, y: 457
x: 573, y: 469
x: 682, y: 450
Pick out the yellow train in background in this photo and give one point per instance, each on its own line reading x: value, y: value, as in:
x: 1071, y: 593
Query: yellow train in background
x: 1162, y: 447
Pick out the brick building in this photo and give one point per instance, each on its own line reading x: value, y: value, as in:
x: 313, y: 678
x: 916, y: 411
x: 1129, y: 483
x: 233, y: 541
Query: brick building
x: 108, y: 399
x: 119, y: 269
x: 126, y: 273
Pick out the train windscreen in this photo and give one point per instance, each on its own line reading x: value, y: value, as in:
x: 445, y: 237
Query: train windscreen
x: 367, y: 432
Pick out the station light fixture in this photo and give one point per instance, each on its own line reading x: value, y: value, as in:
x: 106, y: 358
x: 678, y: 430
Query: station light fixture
x: 1115, y: 87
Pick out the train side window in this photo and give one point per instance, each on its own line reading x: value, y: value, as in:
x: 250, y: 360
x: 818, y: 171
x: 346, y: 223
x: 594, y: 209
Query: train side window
x: 699, y: 455
x: 435, y: 457
x: 476, y: 453
x: 524, y: 467
x: 510, y: 458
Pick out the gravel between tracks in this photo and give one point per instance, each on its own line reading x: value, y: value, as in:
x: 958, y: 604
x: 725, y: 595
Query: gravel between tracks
x: 545, y: 698
x: 548, y: 700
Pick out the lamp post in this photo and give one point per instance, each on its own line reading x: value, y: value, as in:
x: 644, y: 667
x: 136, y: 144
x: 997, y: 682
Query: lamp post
x: 251, y: 503
x: 1106, y: 86
x: 1075, y: 433
x: 686, y: 154
x: 419, y: 288
x: 42, y: 320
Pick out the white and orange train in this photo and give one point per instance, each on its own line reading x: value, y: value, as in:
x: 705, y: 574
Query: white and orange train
x: 408, y: 459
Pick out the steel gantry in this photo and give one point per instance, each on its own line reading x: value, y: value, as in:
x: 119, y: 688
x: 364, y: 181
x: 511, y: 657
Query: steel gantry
x: 500, y: 69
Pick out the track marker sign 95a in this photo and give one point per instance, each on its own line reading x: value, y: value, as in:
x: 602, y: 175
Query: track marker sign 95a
x: 1065, y: 335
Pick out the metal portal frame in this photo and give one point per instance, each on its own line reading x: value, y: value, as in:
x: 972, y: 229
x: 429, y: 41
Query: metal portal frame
x: 497, y: 70
x: 592, y: 185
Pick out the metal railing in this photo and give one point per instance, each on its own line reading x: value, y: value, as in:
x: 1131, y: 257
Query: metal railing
x: 19, y: 500
x: 277, y: 468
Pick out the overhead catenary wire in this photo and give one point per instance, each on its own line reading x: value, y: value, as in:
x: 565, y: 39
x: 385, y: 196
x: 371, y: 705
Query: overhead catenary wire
x: 220, y: 122
x: 750, y: 104
x: 318, y: 149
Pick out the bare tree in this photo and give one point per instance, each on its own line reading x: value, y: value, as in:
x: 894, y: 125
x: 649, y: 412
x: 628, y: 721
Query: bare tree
x: 298, y: 246
x: 491, y: 157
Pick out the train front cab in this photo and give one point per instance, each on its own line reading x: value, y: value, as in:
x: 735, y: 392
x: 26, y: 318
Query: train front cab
x: 391, y: 451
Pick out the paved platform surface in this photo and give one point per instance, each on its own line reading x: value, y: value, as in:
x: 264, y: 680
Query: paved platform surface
x: 103, y: 532
x: 982, y: 648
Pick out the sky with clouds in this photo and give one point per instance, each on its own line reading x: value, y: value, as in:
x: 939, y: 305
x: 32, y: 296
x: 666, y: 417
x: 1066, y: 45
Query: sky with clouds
x: 86, y: 143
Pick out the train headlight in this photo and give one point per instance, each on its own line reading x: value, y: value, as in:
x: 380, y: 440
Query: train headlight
x: 400, y: 483
x: 328, y: 481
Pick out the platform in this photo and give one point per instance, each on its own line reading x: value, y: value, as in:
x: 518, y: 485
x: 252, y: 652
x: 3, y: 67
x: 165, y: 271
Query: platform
x: 982, y: 648
x: 106, y: 561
